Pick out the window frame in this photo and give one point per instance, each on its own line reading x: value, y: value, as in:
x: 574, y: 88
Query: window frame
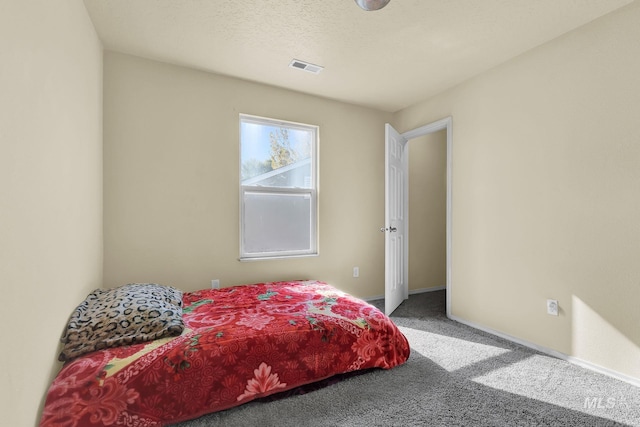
x: 312, y: 191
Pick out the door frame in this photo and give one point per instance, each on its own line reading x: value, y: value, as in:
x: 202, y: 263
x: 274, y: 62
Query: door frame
x: 442, y: 124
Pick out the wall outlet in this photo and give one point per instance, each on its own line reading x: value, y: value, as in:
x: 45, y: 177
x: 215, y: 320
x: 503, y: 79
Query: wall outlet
x: 552, y: 307
x: 215, y: 284
x: 356, y: 271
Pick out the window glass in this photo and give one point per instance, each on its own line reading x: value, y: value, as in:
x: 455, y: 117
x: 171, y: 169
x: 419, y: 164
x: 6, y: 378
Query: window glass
x: 278, y: 180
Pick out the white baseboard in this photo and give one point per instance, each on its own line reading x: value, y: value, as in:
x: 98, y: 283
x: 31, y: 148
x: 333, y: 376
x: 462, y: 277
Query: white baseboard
x: 411, y: 292
x: 605, y: 371
x: 423, y: 290
x: 557, y: 354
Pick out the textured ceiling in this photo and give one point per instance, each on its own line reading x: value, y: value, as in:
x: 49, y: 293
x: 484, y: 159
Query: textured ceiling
x: 388, y: 59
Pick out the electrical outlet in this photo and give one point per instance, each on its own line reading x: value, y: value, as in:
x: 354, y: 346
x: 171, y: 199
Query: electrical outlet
x: 356, y: 271
x: 552, y: 307
x: 215, y: 284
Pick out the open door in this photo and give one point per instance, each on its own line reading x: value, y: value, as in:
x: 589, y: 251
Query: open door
x: 396, y: 288
x: 396, y: 227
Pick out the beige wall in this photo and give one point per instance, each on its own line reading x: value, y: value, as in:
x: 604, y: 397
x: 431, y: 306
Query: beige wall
x: 428, y: 211
x: 171, y: 180
x: 546, y: 182
x: 50, y: 189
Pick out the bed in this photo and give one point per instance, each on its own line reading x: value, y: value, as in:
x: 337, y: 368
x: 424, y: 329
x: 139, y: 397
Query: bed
x: 229, y: 346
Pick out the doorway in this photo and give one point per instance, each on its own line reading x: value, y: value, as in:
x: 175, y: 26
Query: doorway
x: 397, y: 282
x: 427, y: 213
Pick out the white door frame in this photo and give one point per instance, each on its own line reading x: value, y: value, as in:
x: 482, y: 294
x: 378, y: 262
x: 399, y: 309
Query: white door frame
x: 436, y: 126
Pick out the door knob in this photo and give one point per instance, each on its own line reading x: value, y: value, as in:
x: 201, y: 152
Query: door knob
x: 391, y: 229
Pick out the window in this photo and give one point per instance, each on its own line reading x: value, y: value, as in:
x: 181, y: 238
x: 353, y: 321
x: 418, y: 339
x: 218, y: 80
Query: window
x: 278, y: 188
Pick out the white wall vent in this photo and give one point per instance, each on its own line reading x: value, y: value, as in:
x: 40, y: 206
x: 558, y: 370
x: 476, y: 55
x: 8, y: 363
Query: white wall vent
x: 301, y: 65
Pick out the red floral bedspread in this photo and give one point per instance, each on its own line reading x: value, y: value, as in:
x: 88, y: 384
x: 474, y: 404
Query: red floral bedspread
x: 240, y: 343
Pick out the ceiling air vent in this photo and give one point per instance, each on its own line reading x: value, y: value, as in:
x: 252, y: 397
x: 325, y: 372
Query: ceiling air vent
x: 301, y: 65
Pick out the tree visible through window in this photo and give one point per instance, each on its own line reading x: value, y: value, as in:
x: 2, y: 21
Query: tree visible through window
x: 278, y: 182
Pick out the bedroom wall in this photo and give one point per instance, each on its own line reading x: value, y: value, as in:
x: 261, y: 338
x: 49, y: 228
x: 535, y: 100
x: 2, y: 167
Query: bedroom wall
x: 545, y: 193
x: 171, y: 180
x: 50, y: 190
x: 428, y: 211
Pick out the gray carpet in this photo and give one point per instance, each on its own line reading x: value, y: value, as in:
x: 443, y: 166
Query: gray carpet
x: 456, y: 376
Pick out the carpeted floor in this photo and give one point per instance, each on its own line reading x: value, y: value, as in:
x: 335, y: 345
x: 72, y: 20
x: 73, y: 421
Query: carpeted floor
x: 456, y: 376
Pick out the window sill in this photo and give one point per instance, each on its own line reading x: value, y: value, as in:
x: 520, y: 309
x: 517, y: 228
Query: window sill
x: 278, y: 257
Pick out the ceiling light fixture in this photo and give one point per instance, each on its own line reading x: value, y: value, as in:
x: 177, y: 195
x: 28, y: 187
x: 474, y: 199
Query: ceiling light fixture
x: 372, y: 4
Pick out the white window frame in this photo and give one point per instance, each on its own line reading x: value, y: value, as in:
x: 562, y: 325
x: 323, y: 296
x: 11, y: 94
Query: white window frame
x: 311, y: 192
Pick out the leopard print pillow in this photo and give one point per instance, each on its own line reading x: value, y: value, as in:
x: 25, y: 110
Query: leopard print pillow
x: 120, y: 316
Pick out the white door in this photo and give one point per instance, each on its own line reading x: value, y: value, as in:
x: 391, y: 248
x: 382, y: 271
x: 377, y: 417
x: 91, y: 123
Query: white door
x: 396, y: 288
